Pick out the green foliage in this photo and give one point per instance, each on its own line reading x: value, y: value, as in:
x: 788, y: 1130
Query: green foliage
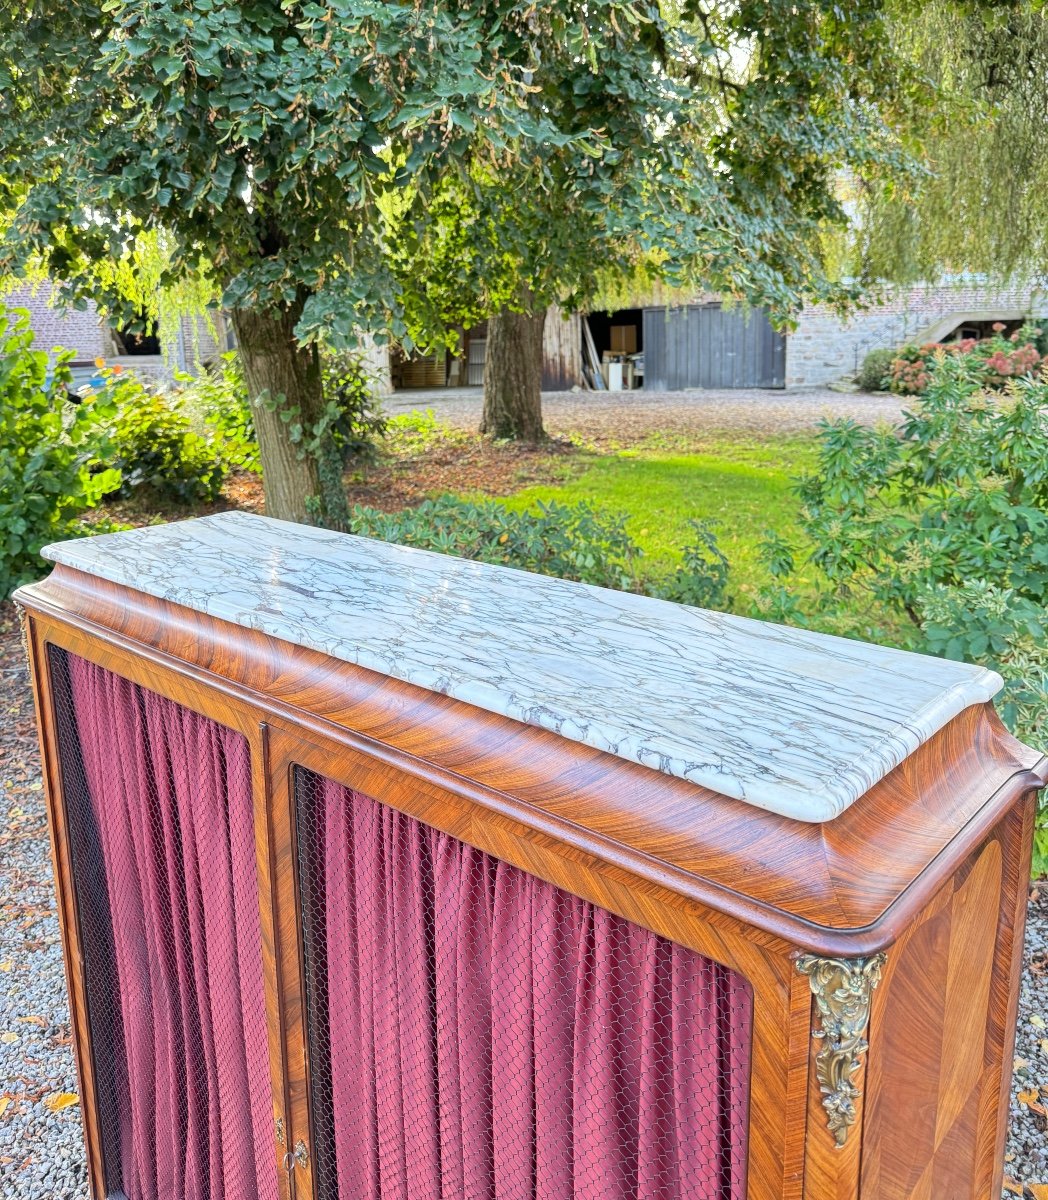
x: 702, y: 577
x: 981, y: 202
x: 714, y: 134
x: 723, y: 178
x: 415, y: 432
x: 154, y: 447
x: 958, y: 492
x: 360, y: 422
x: 995, y: 359
x: 46, y: 448
x: 348, y: 165
x: 573, y: 542
x: 945, y: 519
x: 217, y: 405
x: 875, y: 370
x: 983, y: 623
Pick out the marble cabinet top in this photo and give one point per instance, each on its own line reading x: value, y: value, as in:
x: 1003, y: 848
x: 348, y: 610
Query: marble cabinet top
x: 796, y: 722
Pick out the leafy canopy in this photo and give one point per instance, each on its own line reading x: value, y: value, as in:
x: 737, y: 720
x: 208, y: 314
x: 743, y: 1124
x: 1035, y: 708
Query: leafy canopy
x: 727, y: 128
x: 980, y: 200
x: 271, y: 147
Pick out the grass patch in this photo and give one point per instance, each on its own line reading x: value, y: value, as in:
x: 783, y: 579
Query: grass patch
x: 743, y: 484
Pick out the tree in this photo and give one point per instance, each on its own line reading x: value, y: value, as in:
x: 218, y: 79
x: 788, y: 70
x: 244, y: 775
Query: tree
x: 264, y: 143
x: 257, y: 141
x: 727, y: 130
x: 980, y: 200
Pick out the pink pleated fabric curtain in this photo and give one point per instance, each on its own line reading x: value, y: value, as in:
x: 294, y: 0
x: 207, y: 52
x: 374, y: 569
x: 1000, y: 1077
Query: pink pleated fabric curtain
x: 494, y: 1038
x: 169, y: 799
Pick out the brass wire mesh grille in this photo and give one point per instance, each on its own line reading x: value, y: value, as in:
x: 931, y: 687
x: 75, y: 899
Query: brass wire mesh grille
x: 158, y: 804
x: 478, y: 1034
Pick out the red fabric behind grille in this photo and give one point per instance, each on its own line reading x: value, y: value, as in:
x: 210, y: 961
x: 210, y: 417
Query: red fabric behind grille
x: 170, y: 794
x: 494, y: 1038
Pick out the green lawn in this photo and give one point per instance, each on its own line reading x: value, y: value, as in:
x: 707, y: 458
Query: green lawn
x: 743, y: 484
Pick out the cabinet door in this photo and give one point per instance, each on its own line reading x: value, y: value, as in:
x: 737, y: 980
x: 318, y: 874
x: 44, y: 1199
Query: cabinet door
x: 473, y: 1031
x: 158, y: 813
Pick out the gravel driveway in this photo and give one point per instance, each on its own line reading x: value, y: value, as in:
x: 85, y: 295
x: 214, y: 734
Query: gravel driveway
x: 41, y: 1151
x: 600, y: 414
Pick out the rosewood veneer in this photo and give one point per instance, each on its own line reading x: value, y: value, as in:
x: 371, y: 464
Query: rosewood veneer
x: 388, y: 876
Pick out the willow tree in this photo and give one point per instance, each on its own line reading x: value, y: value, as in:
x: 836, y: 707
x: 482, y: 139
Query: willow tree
x: 258, y: 139
x: 726, y: 131
x: 980, y: 200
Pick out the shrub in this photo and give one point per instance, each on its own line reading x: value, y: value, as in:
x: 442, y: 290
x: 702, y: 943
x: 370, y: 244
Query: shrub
x: 46, y: 448
x: 216, y: 403
x: 702, y: 577
x: 958, y: 492
x: 875, y: 373
x: 571, y: 542
x: 357, y: 421
x: 155, y: 449
x: 986, y: 623
x: 945, y: 519
x: 997, y: 359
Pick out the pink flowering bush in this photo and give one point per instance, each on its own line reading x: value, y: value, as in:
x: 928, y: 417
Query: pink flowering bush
x: 997, y: 358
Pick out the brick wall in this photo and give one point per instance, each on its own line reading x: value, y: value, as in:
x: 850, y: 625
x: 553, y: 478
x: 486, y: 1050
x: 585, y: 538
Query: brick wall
x: 823, y: 348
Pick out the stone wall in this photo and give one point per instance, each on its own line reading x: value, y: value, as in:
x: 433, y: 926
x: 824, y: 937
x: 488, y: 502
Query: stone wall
x: 79, y: 331
x: 824, y: 348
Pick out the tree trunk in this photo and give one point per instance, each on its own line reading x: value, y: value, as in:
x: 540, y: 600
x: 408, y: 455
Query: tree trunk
x: 513, y: 377
x: 301, y: 469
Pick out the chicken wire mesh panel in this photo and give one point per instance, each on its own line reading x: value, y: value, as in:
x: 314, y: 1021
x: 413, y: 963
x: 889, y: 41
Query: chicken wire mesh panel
x: 478, y: 1034
x: 158, y: 805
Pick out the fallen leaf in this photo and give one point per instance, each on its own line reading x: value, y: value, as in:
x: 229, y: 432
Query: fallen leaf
x: 1019, y: 1063
x: 4, y: 1102
x: 6, y: 965
x: 1038, y: 1022
x: 1029, y: 1096
x: 1039, y: 1191
x: 1013, y: 1186
x: 8, y: 1038
x: 1043, y: 1043
x: 43, y: 1022
x: 61, y: 1100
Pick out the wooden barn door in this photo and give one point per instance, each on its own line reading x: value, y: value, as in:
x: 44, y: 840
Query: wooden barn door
x: 709, y: 346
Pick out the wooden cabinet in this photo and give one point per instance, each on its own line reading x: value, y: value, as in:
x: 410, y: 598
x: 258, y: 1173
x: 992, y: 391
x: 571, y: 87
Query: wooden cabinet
x: 387, y: 875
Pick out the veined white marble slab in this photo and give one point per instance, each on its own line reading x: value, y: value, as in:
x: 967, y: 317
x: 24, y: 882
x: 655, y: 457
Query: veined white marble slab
x: 796, y: 722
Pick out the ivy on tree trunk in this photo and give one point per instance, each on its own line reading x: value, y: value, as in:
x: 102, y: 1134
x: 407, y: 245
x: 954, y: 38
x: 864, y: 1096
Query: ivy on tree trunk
x: 301, y: 466
x: 513, y: 377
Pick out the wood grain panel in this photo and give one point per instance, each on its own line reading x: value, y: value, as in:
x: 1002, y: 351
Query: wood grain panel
x: 942, y: 1032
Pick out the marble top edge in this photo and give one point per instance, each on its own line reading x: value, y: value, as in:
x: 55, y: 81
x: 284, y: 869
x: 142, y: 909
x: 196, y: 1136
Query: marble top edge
x: 798, y: 723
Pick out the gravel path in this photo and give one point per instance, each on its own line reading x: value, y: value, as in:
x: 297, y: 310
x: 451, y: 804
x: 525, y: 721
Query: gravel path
x: 600, y: 415
x: 41, y: 1151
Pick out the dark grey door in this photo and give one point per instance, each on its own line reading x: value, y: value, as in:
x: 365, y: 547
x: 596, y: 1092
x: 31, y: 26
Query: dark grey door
x: 708, y: 346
